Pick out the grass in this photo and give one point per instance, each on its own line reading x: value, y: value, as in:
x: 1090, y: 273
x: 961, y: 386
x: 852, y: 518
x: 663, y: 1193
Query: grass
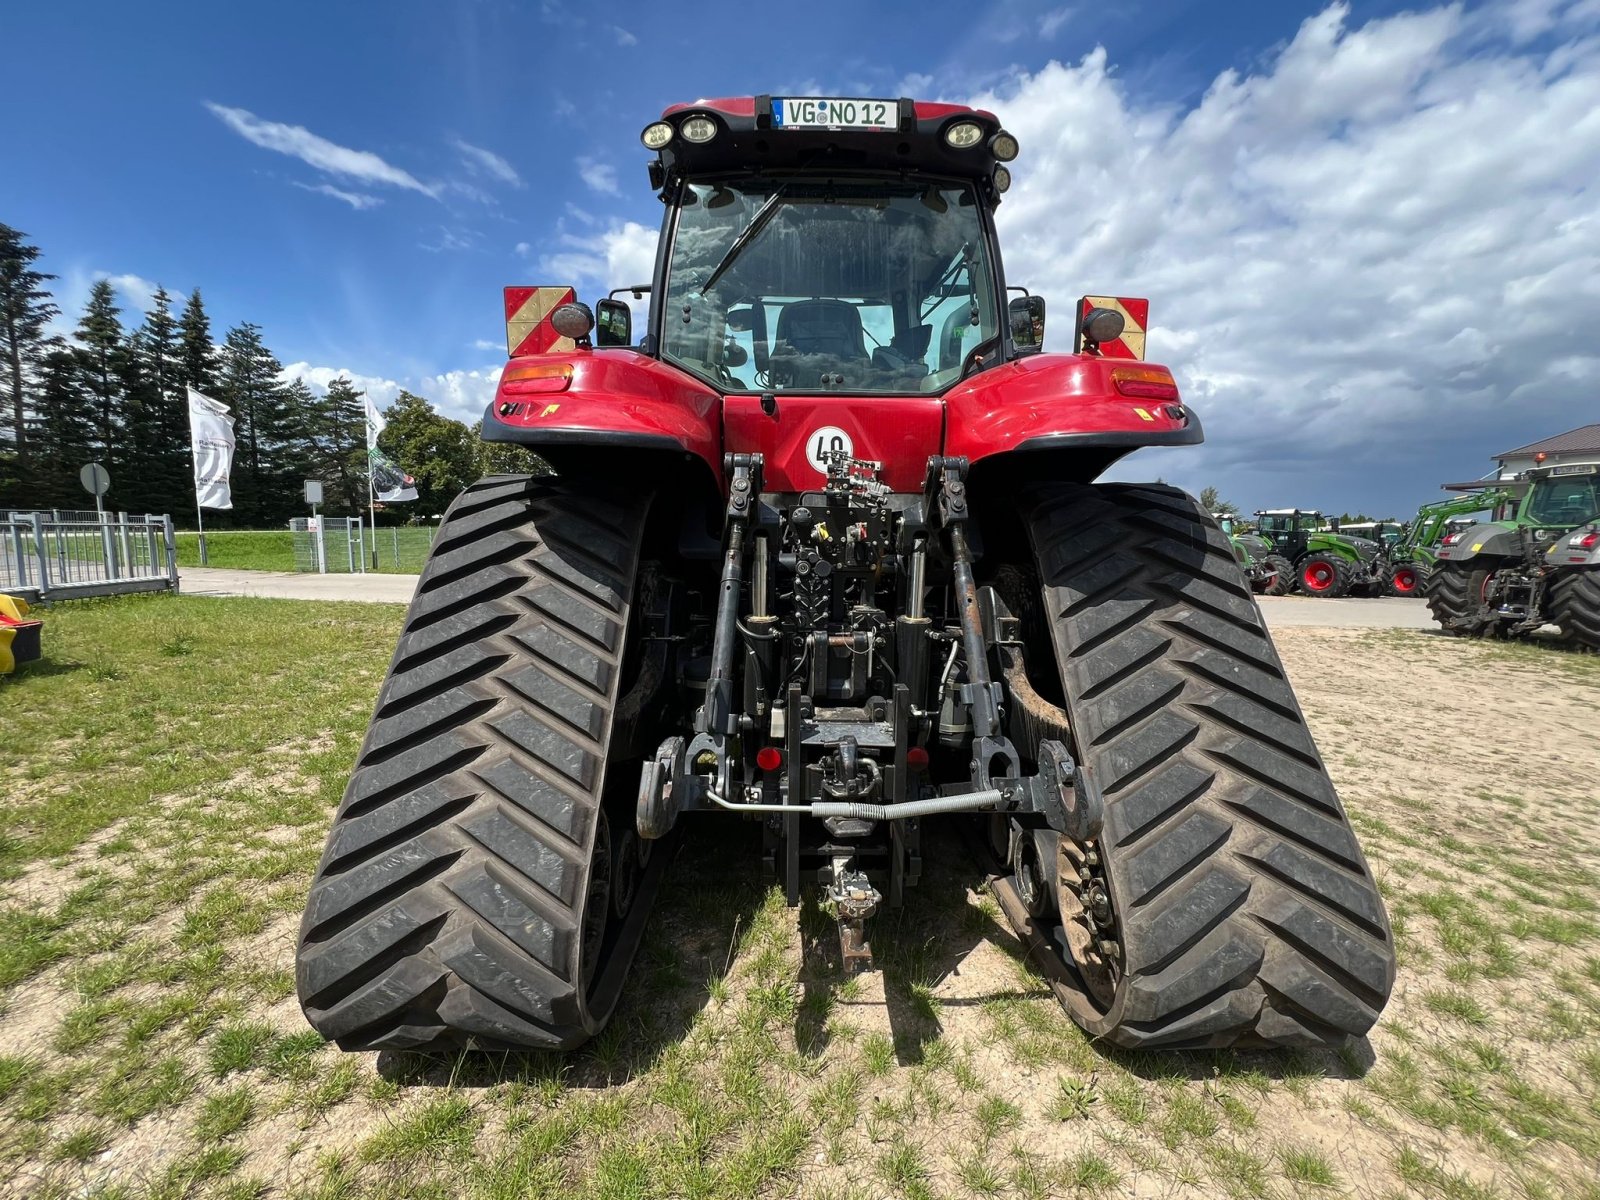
x: 398, y: 548
x: 173, y: 765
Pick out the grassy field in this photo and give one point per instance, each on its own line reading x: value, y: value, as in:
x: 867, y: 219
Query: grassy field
x: 399, y: 549
x: 169, y: 771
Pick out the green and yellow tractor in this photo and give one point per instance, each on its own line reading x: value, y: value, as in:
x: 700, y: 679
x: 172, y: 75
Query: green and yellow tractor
x: 1324, y: 562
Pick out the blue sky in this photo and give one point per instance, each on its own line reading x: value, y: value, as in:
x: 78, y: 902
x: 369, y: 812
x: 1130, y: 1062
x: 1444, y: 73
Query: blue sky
x: 361, y: 181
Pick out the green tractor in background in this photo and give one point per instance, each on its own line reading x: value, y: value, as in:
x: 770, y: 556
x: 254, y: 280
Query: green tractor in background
x: 1413, y: 555
x: 1269, y: 573
x: 1324, y: 562
x: 1535, y: 565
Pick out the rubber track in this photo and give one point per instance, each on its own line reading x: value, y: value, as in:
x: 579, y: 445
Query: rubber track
x: 1248, y: 913
x: 1575, y: 604
x: 447, y: 908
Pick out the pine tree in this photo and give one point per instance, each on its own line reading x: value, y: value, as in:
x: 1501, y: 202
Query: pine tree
x: 103, y: 371
x: 249, y: 383
x: 197, y: 352
x: 60, y: 430
x: 25, y: 310
x: 157, y: 414
x: 339, y: 435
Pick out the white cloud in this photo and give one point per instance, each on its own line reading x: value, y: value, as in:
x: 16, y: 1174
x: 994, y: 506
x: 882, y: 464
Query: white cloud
x: 451, y: 241
x: 382, y: 392
x: 1366, y: 258
x: 486, y: 162
x: 298, y: 142
x: 138, y: 295
x: 1052, y: 22
x: 624, y: 38
x: 356, y: 200
x: 487, y: 344
x: 462, y: 394
x: 602, y: 177
x: 621, y: 255
x: 524, y: 248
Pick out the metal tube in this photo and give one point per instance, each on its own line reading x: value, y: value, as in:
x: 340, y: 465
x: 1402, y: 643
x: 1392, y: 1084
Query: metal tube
x: 985, y: 720
x: 904, y: 811
x: 716, y: 714
x: 918, y: 582
x: 758, y: 580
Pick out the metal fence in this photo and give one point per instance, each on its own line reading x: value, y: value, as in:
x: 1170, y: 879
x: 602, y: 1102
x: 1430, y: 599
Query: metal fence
x: 328, y: 545
x: 65, y: 555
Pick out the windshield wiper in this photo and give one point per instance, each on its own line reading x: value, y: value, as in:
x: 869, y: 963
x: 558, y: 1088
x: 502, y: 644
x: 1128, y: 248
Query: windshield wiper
x: 764, y: 214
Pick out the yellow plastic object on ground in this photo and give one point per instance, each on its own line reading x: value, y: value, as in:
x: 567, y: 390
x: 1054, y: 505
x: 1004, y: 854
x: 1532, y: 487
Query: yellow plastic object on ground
x: 19, y: 636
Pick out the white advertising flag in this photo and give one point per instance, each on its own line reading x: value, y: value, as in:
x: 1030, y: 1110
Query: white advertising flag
x: 211, y: 440
x: 389, y: 483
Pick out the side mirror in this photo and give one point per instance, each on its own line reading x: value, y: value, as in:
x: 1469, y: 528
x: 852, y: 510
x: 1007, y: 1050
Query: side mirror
x: 613, y: 323
x: 1027, y: 322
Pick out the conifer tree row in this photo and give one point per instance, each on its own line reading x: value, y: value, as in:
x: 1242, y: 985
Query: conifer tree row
x: 116, y: 391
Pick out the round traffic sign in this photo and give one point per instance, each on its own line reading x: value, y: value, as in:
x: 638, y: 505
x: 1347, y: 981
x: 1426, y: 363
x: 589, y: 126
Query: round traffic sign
x: 96, y: 479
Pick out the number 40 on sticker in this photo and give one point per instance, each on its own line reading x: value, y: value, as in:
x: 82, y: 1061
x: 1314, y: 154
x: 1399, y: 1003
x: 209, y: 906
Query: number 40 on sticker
x: 830, y: 439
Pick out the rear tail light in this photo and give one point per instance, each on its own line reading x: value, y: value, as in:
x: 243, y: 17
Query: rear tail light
x: 533, y: 378
x: 1148, y: 383
x: 916, y: 758
x: 769, y: 758
x: 1585, y: 542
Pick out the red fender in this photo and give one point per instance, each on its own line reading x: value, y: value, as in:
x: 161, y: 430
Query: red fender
x: 1066, y: 402
x: 611, y: 398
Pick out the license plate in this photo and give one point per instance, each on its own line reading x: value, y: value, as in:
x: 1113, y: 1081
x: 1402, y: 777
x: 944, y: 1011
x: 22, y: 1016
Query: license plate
x: 793, y: 112
x: 1574, y: 469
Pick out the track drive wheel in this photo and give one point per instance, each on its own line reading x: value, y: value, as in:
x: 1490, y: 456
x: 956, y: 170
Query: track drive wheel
x: 474, y: 892
x: 1575, y: 605
x: 1281, y: 582
x: 1232, y: 904
x: 1324, y: 575
x: 1407, y: 579
x: 1456, y: 594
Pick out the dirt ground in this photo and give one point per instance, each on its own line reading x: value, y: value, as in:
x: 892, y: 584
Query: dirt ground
x: 169, y: 1057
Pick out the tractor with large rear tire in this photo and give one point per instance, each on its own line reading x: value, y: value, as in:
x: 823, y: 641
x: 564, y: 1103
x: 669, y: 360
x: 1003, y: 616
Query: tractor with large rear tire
x: 823, y: 552
x: 1537, y: 565
x: 1325, y: 562
x: 1268, y: 572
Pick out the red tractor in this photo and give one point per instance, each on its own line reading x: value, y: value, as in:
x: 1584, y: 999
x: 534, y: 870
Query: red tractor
x: 823, y: 550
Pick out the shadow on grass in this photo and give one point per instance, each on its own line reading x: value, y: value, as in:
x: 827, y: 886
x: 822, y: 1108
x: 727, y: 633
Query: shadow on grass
x: 708, y: 896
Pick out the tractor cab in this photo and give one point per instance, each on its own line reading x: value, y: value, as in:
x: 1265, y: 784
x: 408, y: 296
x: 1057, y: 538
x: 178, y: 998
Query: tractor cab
x: 1287, y: 528
x: 829, y: 281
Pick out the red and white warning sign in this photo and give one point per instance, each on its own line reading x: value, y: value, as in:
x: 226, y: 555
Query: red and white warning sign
x: 1136, y: 318
x: 528, y: 329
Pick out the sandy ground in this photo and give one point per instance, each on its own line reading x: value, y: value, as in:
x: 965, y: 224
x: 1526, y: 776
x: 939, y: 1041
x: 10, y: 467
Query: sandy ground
x: 1405, y: 721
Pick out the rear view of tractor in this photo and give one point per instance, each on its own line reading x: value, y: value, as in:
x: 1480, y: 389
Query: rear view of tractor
x: 1537, y: 564
x: 824, y: 554
x: 1268, y: 572
x: 1324, y: 562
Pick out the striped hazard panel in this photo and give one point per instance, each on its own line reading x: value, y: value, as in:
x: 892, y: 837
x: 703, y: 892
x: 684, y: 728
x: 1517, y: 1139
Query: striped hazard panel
x: 528, y: 329
x: 1136, y: 315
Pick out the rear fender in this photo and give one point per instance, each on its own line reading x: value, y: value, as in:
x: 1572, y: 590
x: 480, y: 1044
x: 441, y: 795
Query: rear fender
x: 1061, y: 414
x: 616, y: 399
x: 1569, y: 550
x: 1499, y: 541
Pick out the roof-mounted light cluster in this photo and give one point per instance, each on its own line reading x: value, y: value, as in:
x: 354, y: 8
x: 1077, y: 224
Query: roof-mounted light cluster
x: 964, y: 135
x: 697, y: 128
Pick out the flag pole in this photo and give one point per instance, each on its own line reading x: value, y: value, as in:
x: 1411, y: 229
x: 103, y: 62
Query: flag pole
x: 372, y: 512
x: 199, y: 513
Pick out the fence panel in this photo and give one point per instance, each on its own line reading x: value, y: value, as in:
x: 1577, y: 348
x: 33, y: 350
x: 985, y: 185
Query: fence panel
x: 328, y: 545
x: 60, y: 555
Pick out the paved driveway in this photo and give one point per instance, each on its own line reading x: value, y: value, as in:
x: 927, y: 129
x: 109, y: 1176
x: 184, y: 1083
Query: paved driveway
x: 1281, y: 611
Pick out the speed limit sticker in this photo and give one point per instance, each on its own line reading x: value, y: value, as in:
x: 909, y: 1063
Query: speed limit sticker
x: 830, y: 439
